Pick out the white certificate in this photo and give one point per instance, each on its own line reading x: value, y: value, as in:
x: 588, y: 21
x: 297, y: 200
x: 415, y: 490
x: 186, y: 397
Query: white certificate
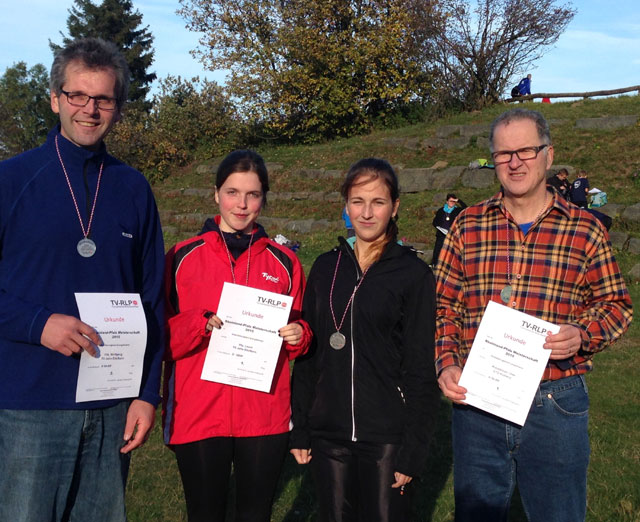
x: 506, y: 362
x: 116, y: 372
x: 245, y: 351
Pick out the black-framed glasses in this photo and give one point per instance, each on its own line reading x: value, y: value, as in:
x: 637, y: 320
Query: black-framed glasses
x: 78, y: 99
x: 527, y: 153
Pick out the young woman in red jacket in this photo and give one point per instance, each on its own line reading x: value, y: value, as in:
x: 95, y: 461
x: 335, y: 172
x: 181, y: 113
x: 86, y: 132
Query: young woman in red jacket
x: 211, y: 426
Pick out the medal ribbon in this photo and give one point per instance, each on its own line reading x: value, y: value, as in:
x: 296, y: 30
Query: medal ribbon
x: 73, y: 196
x: 233, y: 274
x: 335, y: 273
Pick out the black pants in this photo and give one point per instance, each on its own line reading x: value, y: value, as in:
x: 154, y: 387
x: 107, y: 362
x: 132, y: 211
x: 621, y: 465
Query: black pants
x: 205, y: 467
x: 353, y: 482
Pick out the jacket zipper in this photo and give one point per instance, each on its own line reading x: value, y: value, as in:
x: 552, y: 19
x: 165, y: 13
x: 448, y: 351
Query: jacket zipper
x: 353, y: 362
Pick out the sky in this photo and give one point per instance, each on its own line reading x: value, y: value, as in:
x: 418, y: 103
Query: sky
x: 599, y: 50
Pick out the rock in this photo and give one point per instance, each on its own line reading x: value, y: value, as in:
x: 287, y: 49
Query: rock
x: 311, y: 173
x: 414, y: 180
x: 557, y: 121
x: 206, y: 168
x: 632, y: 213
x: 273, y: 167
x: 456, y: 143
x: 335, y: 174
x: 173, y: 192
x: 483, y: 143
x: 193, y: 218
x: 418, y: 180
x: 446, y: 143
x: 607, y: 122
x: 634, y: 246
x: 169, y: 230
x: 447, y: 130
x: 618, y: 239
x: 394, y: 142
x: 448, y: 178
x: 478, y: 178
x: 412, y: 143
x: 306, y: 226
x: 199, y: 192
x: 475, y: 130
x: 166, y: 216
x: 612, y: 210
x: 440, y: 165
x: 333, y: 196
x: 431, y: 143
x: 634, y: 273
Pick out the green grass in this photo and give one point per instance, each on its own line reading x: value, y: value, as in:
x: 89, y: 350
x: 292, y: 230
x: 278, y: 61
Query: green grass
x: 610, y: 157
x: 155, y: 493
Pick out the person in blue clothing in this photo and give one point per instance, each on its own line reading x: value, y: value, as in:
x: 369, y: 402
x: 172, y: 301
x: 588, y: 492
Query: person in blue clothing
x: 73, y: 219
x: 580, y: 190
x: 523, y: 88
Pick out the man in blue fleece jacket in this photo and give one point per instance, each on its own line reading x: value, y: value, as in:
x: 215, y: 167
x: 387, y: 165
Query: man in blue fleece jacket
x: 73, y: 219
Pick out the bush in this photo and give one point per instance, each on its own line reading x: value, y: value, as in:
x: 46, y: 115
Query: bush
x: 190, y: 120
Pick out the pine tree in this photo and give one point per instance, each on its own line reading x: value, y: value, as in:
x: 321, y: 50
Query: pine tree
x: 118, y: 22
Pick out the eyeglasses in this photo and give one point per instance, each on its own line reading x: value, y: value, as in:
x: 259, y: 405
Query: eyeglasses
x: 527, y: 153
x: 78, y: 99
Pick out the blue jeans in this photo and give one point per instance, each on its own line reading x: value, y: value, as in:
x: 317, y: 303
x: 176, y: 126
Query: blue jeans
x: 547, y: 457
x: 63, y: 465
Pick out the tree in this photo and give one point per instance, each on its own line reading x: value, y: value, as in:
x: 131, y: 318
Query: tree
x: 116, y: 20
x: 189, y: 120
x: 309, y: 70
x: 25, y: 108
x: 478, y: 50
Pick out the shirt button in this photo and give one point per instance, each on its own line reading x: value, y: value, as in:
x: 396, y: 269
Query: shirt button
x: 513, y: 304
x: 518, y: 276
x: 549, y: 395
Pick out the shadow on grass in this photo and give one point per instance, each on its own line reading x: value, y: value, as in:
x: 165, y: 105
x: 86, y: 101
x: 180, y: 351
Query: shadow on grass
x: 429, y: 487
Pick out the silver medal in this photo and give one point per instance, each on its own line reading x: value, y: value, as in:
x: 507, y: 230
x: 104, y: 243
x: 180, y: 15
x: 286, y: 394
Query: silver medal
x: 505, y: 294
x: 86, y: 247
x: 337, y: 341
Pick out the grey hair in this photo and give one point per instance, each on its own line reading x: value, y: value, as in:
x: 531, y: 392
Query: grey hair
x: 518, y: 115
x: 94, y: 53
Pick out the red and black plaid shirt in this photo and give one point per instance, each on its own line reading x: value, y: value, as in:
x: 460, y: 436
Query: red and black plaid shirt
x: 563, y: 271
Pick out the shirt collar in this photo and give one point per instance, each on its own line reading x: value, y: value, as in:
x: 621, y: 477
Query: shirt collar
x: 559, y: 203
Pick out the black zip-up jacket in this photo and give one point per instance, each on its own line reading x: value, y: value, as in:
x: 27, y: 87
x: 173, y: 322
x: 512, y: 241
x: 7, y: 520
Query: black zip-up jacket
x: 381, y: 387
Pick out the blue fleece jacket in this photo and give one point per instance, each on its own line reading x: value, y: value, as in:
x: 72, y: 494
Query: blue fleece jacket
x: 40, y: 268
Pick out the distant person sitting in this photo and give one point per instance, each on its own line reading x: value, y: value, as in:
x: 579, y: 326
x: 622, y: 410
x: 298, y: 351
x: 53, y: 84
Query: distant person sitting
x: 560, y: 182
x: 523, y: 88
x: 443, y: 220
x: 580, y: 189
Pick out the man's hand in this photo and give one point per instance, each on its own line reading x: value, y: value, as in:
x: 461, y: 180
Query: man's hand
x: 140, y: 418
x: 302, y: 456
x: 448, y: 382
x: 565, y: 343
x: 68, y: 335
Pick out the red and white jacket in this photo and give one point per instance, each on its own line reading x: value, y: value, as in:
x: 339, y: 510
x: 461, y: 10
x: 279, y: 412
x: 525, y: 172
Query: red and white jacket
x: 195, y: 409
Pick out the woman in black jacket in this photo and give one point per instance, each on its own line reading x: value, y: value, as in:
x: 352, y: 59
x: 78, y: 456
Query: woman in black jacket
x: 365, y: 396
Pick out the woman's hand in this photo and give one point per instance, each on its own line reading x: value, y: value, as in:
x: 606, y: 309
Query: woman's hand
x: 302, y: 456
x: 213, y: 322
x: 401, y: 480
x: 291, y: 334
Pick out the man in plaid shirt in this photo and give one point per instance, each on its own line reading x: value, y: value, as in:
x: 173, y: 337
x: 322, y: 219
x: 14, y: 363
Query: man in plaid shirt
x: 532, y: 251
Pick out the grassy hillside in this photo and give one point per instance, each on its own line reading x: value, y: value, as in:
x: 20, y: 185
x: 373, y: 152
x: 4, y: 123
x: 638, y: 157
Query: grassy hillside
x: 610, y: 157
